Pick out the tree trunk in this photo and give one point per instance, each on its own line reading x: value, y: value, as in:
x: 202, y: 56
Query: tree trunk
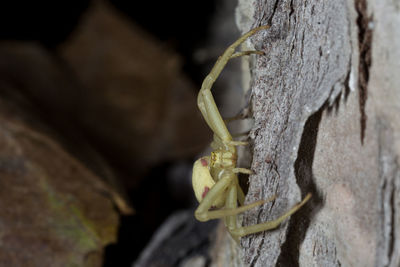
x: 326, y: 113
x: 327, y: 121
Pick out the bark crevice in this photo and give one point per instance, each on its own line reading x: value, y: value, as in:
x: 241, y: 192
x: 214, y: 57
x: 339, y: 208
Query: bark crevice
x: 364, y: 23
x: 300, y: 221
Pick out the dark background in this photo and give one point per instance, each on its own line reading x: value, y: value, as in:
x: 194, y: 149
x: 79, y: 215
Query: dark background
x: 51, y: 22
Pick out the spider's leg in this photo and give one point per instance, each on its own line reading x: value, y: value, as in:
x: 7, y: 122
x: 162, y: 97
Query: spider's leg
x: 236, y: 143
x: 242, y: 170
x: 205, y: 99
x: 243, y: 231
x: 211, y: 114
x: 246, y: 53
x: 231, y: 203
x: 225, y: 212
x: 202, y: 212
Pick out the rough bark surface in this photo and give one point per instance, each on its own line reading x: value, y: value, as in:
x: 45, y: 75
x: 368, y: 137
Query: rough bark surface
x: 317, y: 131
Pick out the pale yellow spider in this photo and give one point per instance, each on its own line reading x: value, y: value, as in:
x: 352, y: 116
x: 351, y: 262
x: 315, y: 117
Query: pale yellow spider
x: 215, y: 180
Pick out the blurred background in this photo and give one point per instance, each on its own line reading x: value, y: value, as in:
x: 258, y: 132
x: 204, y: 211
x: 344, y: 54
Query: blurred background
x: 99, y: 124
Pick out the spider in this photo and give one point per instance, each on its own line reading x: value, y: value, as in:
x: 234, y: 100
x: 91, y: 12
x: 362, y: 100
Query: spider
x: 214, y: 179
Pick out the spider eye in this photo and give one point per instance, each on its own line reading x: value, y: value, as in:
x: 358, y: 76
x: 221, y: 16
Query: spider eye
x: 214, y: 158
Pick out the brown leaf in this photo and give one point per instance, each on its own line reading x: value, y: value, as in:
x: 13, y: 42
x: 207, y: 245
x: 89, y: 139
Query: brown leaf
x: 53, y: 210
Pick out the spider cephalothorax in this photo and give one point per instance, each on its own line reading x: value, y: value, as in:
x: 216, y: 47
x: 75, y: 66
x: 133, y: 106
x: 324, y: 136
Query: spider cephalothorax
x: 214, y: 179
x: 223, y: 159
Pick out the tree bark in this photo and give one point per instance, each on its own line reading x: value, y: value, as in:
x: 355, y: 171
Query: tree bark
x: 325, y: 103
x: 326, y: 111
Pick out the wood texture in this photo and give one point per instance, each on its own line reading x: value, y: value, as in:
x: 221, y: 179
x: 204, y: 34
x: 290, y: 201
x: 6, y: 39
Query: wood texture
x: 316, y: 131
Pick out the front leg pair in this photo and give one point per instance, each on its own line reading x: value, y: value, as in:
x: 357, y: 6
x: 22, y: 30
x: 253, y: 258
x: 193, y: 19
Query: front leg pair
x: 205, y: 99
